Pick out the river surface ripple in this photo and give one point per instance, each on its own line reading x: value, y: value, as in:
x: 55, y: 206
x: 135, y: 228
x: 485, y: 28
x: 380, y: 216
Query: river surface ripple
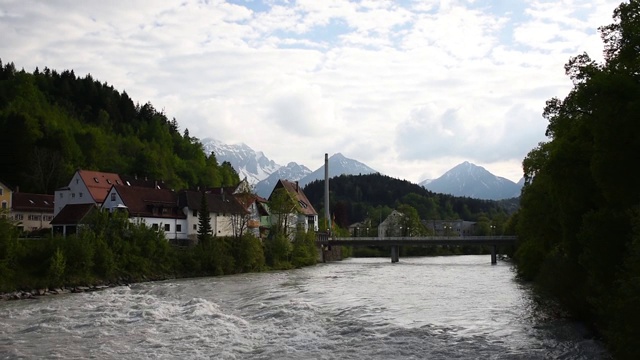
x: 456, y: 307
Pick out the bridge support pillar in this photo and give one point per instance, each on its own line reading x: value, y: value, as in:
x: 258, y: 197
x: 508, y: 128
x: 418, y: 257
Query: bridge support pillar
x: 494, y: 250
x: 395, y: 254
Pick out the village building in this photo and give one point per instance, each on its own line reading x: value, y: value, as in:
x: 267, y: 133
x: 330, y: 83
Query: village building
x: 32, y: 212
x: 303, y: 216
x: 155, y: 207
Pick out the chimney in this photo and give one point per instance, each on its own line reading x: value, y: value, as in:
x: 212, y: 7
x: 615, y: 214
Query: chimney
x: 222, y: 193
x: 297, y: 187
x: 155, y: 184
x: 17, y: 189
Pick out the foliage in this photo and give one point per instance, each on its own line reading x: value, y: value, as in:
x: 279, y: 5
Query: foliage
x: 304, y: 251
x: 204, y: 220
x: 53, y: 123
x: 576, y: 227
x: 372, y: 197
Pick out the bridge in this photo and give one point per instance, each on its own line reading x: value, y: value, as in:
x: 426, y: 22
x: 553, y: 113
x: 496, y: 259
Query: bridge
x: 493, y: 242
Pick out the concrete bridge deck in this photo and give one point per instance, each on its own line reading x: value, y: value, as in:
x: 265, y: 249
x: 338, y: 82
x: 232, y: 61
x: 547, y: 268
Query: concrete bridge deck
x: 395, y: 242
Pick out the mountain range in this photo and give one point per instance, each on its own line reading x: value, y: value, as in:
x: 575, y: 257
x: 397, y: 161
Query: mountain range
x: 465, y: 179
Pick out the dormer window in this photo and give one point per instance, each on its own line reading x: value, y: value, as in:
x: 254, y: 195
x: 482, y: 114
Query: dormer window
x: 31, y: 201
x: 128, y: 184
x: 108, y: 181
x: 118, y: 182
x: 96, y: 180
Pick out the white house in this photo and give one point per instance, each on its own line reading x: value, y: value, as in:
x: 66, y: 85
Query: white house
x: 85, y: 187
x: 226, y: 214
x: 156, y: 208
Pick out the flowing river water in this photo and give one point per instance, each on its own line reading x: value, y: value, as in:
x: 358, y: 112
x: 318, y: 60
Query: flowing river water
x: 455, y: 307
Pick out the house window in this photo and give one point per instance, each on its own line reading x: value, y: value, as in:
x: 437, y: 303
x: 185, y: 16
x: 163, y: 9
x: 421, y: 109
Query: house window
x: 33, y: 217
x: 77, y: 180
x: 19, y: 217
x: 1, y: 191
x: 178, y: 227
x: 113, y: 196
x: 154, y: 226
x: 195, y: 212
x: 80, y: 194
x: 73, y: 195
x: 195, y: 227
x: 61, y: 195
x: 4, y: 204
x: 167, y: 227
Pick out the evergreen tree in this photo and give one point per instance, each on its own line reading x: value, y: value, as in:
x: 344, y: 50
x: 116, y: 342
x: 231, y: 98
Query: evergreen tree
x: 204, y: 221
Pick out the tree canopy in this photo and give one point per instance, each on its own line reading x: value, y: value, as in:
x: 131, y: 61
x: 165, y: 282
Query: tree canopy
x: 53, y: 123
x: 580, y: 207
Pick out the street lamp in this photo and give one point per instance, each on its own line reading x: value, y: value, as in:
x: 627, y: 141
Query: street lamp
x: 493, y: 229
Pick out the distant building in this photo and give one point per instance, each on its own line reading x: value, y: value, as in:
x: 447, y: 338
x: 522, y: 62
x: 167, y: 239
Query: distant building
x: 450, y: 227
x: 32, y: 211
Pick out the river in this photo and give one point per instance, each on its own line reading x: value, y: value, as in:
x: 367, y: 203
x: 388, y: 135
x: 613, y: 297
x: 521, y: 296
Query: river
x: 455, y: 307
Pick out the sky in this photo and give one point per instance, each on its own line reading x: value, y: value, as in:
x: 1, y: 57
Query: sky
x: 411, y: 88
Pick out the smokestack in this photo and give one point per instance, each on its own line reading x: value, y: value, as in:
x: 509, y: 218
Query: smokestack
x: 326, y: 191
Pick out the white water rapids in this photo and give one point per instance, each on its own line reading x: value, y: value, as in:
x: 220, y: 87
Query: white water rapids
x: 456, y: 307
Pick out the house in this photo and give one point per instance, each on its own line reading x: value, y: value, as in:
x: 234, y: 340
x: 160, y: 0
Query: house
x: 258, y: 217
x: 5, y: 196
x: 258, y: 220
x: 72, y: 216
x: 153, y: 206
x: 32, y: 211
x: 227, y: 216
x: 391, y: 226
x: 303, y: 215
x: 85, y: 187
x: 450, y: 227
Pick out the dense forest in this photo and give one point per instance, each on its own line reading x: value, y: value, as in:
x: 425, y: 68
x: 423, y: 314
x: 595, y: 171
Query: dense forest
x: 53, y: 123
x: 354, y: 198
x: 579, y: 223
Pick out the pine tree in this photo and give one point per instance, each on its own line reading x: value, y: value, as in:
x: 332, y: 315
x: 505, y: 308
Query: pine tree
x: 204, y: 220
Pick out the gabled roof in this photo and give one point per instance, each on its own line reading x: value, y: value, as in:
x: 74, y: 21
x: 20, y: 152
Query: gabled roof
x: 32, y: 202
x: 298, y: 195
x: 247, y: 199
x: 150, y: 202
x: 99, y: 183
x: 217, y: 203
x: 72, y: 214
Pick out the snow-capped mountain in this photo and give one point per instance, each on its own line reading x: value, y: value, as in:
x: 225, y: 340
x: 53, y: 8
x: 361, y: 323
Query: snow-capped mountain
x: 291, y: 172
x: 338, y: 165
x: 247, y: 162
x: 474, y: 181
x: 265, y: 173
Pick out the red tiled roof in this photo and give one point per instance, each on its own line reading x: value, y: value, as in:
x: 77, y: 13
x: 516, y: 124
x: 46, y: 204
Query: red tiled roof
x: 72, y: 214
x: 99, y: 183
x: 298, y: 195
x: 32, y: 202
x: 150, y: 202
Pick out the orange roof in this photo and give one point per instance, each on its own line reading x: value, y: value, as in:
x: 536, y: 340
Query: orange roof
x: 99, y: 183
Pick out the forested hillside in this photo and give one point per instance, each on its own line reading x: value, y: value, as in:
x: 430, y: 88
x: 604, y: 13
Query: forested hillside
x: 53, y: 123
x: 356, y: 197
x: 579, y: 225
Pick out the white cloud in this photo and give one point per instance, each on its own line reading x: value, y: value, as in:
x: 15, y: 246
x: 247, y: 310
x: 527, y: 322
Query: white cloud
x: 411, y: 89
